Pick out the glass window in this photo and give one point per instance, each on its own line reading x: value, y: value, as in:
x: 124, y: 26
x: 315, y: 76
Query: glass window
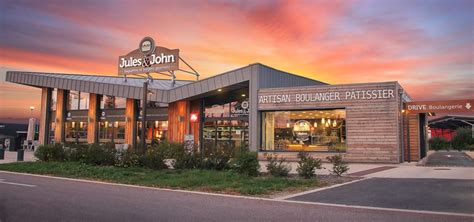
x: 155, y: 132
x: 229, y: 104
x: 84, y: 101
x: 112, y: 131
x: 310, y: 130
x: 111, y: 102
x: 73, y: 100
x: 120, y: 102
x: 76, y: 131
x: 54, y: 97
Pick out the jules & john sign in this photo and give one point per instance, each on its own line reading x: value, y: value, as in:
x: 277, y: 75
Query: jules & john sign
x: 148, y: 58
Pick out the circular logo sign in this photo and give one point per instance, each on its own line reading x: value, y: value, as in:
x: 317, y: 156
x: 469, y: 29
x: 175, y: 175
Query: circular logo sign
x: 147, y: 46
x: 245, y: 105
x: 302, y: 130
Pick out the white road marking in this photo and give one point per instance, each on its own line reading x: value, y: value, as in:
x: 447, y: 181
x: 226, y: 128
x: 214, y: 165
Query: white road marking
x: 319, y: 189
x: 17, y: 184
x: 251, y: 198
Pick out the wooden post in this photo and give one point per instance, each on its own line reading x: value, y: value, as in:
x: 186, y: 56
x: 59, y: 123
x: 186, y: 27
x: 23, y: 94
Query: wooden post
x: 61, y: 109
x: 131, y: 117
x: 93, y: 119
x: 45, y: 118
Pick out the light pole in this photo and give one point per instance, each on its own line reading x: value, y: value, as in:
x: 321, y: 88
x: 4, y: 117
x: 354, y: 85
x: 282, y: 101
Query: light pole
x: 31, y: 111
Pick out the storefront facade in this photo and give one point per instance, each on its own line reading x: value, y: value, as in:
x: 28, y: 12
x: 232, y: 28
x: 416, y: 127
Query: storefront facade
x: 264, y: 109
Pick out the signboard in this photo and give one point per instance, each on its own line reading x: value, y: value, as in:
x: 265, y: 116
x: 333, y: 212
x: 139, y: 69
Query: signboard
x: 302, y: 130
x: 452, y: 106
x: 189, y: 143
x: 326, y: 96
x: 148, y: 58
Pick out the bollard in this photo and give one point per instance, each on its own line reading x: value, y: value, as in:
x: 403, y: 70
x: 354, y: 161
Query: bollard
x: 20, y: 153
x: 2, y: 153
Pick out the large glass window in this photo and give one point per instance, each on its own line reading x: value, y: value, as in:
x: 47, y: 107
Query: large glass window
x: 76, y: 131
x: 112, y: 131
x: 225, y: 122
x: 309, y: 130
x: 155, y: 131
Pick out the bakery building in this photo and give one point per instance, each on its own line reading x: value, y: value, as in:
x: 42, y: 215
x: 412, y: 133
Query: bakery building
x: 256, y: 106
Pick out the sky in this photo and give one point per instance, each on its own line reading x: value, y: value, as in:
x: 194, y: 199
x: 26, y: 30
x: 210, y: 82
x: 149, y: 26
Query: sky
x: 427, y: 46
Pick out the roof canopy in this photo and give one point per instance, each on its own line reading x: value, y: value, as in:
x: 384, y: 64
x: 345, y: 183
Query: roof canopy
x: 451, y: 122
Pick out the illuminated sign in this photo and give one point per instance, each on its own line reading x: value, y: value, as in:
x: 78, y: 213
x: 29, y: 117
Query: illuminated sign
x: 193, y: 117
x: 327, y: 96
x: 441, y: 106
x: 148, y: 58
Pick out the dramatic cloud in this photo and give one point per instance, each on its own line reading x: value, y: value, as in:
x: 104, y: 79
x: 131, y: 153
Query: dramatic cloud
x: 425, y: 45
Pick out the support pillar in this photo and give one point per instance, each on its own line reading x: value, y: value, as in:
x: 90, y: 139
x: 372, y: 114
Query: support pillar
x: 93, y: 119
x: 61, y: 109
x: 45, y: 118
x: 131, y: 117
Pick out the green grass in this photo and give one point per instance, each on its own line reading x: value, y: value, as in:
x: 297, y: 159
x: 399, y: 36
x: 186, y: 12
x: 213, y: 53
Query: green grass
x: 202, y: 180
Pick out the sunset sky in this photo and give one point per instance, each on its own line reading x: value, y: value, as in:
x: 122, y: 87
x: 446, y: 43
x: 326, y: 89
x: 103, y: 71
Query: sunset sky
x: 426, y: 45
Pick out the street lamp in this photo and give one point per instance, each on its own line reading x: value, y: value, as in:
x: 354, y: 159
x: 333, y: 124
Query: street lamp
x: 31, y: 110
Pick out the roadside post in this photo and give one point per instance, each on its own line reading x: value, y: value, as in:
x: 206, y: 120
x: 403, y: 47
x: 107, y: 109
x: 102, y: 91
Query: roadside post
x: 20, y: 154
x: 2, y: 152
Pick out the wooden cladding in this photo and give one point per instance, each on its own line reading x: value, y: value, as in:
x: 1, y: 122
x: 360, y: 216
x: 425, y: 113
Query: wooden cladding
x: 45, y: 117
x: 93, y: 117
x: 61, y: 106
x: 411, y: 131
x: 178, y: 117
x: 131, y: 118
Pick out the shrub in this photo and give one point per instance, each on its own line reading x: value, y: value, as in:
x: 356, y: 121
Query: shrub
x: 307, y: 165
x: 154, y: 159
x: 338, y: 165
x: 77, y: 152
x: 276, y: 166
x: 100, y: 154
x: 218, y: 160
x: 438, y: 143
x: 184, y: 159
x: 51, y: 152
x: 127, y: 158
x: 246, y: 163
x: 470, y: 147
x: 462, y: 139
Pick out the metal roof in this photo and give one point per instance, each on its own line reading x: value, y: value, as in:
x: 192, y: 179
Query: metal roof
x: 255, y: 76
x: 451, y: 122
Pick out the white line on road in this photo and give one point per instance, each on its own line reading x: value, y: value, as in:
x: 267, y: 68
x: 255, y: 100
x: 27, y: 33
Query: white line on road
x: 17, y: 184
x: 250, y: 198
x: 319, y: 189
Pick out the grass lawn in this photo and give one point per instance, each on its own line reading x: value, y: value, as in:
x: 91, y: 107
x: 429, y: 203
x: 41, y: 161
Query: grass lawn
x: 201, y: 180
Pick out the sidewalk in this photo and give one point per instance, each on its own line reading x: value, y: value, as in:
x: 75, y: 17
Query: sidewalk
x: 11, y: 157
x: 403, y: 170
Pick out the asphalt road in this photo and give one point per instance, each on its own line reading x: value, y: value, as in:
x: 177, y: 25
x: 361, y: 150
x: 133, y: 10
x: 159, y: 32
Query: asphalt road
x: 451, y: 158
x: 442, y: 195
x: 31, y: 198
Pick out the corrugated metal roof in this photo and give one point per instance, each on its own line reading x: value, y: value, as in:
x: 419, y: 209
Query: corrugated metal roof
x: 163, y: 91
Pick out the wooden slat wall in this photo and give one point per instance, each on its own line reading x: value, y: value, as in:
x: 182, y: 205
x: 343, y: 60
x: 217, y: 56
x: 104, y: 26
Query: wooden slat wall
x: 45, y: 111
x: 177, y: 121
x: 371, y: 125
x: 93, y: 124
x: 413, y: 121
x: 60, y: 115
x: 131, y: 117
x: 195, y: 108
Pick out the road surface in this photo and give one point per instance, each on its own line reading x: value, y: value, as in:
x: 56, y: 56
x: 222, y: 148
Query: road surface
x: 33, y: 198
